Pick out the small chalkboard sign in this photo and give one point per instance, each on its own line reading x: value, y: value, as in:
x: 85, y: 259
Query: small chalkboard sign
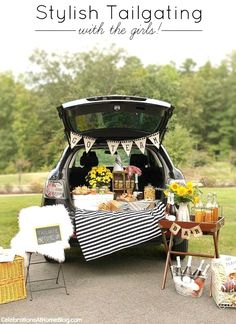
x: 48, y: 234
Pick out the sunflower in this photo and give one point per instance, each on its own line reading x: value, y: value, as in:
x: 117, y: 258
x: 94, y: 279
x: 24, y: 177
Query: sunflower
x: 189, y: 184
x: 190, y: 191
x: 174, y: 186
x: 184, y: 192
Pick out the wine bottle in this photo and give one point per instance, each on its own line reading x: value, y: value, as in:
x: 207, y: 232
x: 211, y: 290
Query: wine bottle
x: 187, y: 273
x: 173, y: 211
x: 170, y: 206
x: 204, y: 272
x: 198, y: 271
x: 178, y: 271
x: 136, y: 188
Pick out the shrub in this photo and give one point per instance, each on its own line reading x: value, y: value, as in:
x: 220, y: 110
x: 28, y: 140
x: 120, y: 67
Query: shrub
x: 200, y: 158
x: 208, y: 182
x: 179, y: 143
x: 36, y: 187
x: 233, y: 158
x: 8, y: 188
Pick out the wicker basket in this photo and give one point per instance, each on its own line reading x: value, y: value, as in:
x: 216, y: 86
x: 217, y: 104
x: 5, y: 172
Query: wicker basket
x: 12, y: 282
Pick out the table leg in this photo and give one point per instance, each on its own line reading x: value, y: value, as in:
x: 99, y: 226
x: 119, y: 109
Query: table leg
x: 215, y: 239
x: 168, y: 262
x: 164, y: 240
x: 167, y: 247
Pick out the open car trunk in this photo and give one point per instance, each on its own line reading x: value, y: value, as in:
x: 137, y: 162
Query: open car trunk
x: 151, y: 165
x: 115, y: 117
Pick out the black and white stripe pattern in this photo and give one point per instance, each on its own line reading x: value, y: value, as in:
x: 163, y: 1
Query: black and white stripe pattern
x: 102, y: 232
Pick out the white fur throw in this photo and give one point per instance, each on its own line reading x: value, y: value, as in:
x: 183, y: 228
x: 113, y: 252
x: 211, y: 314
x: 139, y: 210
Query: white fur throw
x: 32, y: 217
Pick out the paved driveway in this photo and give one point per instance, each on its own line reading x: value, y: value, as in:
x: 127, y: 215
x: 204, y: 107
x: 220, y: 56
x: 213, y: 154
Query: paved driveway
x: 121, y: 288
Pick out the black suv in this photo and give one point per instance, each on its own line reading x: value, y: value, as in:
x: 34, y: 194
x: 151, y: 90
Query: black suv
x: 113, y: 118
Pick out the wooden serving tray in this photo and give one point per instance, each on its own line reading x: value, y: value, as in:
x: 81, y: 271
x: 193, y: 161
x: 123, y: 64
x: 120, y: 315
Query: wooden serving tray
x: 205, y: 227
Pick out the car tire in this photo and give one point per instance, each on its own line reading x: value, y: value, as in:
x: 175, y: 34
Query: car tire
x: 180, y: 247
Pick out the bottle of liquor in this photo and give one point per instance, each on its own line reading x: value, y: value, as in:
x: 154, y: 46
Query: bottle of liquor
x: 136, y: 188
x: 170, y: 206
x: 215, y: 208
x: 178, y: 271
x: 187, y: 273
x: 198, y: 271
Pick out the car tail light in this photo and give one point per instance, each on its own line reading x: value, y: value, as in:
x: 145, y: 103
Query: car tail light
x: 54, y: 189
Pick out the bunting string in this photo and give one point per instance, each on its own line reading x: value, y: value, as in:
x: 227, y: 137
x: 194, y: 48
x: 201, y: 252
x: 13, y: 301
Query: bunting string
x: 113, y: 145
x: 186, y: 232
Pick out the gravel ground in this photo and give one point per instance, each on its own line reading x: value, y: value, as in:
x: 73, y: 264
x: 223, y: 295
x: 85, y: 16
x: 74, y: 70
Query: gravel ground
x: 122, y: 288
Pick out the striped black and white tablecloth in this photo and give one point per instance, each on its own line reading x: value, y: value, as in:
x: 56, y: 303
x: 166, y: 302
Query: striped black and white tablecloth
x: 101, y: 232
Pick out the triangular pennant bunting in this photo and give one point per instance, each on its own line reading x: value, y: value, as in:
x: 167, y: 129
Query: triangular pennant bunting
x: 186, y: 232
x: 113, y: 145
x: 155, y: 139
x: 88, y: 143
x: 141, y: 143
x: 74, y: 139
x: 127, y: 146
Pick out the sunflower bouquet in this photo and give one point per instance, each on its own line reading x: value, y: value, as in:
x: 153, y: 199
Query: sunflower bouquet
x: 99, y: 176
x: 183, y: 193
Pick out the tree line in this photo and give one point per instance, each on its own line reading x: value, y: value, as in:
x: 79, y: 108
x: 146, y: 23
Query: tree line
x: 203, y: 126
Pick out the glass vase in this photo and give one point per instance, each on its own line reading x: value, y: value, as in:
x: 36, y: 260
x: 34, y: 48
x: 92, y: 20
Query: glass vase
x: 103, y: 189
x: 183, y: 213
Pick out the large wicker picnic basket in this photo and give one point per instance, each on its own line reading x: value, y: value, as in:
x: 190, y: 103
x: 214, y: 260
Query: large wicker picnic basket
x: 12, y: 281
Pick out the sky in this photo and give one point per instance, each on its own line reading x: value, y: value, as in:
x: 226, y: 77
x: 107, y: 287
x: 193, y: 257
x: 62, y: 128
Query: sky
x: 209, y: 36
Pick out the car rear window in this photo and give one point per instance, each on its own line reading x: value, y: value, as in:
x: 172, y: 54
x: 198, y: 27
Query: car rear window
x: 126, y: 116
x: 104, y: 157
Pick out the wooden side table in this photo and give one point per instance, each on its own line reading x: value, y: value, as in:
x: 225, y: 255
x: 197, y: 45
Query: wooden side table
x: 212, y: 229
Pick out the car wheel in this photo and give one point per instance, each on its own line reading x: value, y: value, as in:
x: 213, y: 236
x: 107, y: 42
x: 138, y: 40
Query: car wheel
x: 180, y: 247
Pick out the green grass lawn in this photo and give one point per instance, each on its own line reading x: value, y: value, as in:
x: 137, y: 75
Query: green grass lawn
x: 9, y: 209
x: 26, y: 178
x: 11, y: 205
x: 227, y: 243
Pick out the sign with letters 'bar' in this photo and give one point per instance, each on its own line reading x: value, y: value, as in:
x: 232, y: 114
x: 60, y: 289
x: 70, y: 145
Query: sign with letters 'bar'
x: 48, y: 234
